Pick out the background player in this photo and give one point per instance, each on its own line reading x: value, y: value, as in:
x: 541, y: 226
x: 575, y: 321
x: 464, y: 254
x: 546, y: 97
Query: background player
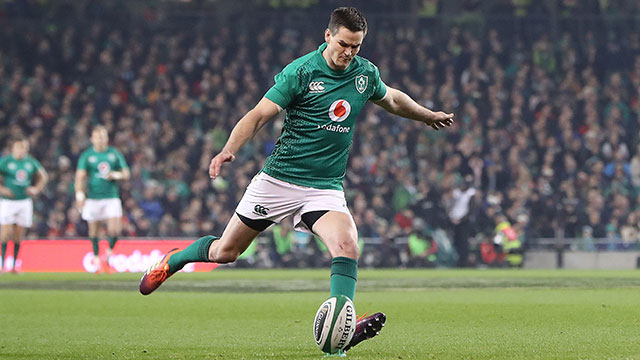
x: 323, y: 92
x: 99, y: 168
x: 22, y: 178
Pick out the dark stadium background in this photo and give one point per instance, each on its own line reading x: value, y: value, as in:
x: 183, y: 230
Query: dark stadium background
x: 546, y: 97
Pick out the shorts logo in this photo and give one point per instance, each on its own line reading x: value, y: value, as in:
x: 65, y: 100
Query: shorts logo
x: 316, y: 87
x: 361, y: 83
x: 260, y: 210
x: 339, y: 110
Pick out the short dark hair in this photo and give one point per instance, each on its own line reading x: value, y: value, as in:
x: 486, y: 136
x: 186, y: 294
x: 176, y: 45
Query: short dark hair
x: 350, y: 18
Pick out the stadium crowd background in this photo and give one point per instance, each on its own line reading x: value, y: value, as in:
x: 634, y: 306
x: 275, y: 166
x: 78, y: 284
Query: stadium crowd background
x: 546, y: 97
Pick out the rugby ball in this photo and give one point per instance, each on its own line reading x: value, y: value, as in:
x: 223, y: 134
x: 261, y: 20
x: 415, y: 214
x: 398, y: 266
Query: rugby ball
x: 335, y: 324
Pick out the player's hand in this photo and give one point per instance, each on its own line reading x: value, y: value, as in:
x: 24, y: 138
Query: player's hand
x: 32, y: 191
x: 440, y: 120
x: 6, y: 192
x: 223, y: 157
x: 79, y: 206
x: 80, y: 198
x: 113, y: 175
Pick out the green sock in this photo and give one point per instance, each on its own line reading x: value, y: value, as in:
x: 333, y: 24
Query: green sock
x: 4, y: 251
x: 344, y: 274
x: 112, y: 241
x: 16, y: 249
x: 96, y: 246
x: 198, y: 251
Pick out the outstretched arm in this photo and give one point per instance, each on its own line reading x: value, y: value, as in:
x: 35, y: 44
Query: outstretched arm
x: 399, y: 103
x: 244, y: 130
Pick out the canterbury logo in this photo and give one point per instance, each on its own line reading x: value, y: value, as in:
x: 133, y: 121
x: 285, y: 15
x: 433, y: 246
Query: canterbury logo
x: 260, y: 210
x: 316, y: 86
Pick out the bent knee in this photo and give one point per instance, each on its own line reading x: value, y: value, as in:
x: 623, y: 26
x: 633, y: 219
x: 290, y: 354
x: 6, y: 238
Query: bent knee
x: 348, y: 248
x: 225, y: 256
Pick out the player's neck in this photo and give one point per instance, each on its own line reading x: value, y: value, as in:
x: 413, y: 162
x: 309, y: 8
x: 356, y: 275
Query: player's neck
x: 329, y: 61
x: 99, y: 149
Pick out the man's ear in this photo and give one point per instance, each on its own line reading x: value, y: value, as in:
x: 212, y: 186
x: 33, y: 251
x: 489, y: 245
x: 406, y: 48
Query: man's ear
x: 327, y: 35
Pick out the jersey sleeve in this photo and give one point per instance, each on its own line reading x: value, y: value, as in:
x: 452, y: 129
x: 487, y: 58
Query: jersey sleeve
x: 286, y: 87
x: 82, y: 162
x: 380, y: 89
x: 37, y: 164
x: 121, y: 162
x: 3, y: 165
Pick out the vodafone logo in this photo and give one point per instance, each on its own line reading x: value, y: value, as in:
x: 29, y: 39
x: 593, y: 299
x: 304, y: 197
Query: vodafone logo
x: 21, y: 176
x: 103, y: 168
x: 339, y: 110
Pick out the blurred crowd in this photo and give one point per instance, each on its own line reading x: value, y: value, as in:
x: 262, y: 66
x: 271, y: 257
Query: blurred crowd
x: 546, y: 136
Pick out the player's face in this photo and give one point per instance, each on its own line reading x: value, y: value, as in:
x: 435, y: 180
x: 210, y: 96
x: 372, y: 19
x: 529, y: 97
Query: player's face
x: 99, y: 139
x: 342, y: 47
x: 19, y: 149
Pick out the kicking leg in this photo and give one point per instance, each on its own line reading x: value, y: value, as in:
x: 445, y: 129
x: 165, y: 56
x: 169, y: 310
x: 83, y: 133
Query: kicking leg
x: 235, y: 239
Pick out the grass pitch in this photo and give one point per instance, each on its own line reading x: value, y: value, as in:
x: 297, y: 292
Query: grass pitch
x: 267, y: 314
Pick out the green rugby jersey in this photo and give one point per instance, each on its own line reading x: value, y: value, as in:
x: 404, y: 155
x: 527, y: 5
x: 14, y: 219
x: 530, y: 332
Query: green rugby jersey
x: 322, y: 105
x: 97, y: 165
x: 18, y: 174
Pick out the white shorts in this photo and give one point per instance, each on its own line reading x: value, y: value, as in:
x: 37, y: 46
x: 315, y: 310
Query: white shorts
x: 19, y: 212
x: 101, y: 209
x: 272, y: 199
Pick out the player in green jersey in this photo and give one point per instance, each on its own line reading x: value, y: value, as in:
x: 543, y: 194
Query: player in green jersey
x: 322, y: 93
x: 100, y: 167
x: 22, y: 178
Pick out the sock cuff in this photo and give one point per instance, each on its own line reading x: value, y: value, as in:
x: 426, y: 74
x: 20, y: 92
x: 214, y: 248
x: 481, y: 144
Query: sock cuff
x: 203, y: 247
x: 344, y: 266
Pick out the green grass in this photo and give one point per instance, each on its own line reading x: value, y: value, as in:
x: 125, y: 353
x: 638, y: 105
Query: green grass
x: 267, y: 314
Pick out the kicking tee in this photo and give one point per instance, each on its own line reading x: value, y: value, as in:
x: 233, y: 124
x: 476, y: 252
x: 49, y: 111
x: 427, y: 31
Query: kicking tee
x: 18, y: 174
x: 322, y: 105
x: 97, y: 165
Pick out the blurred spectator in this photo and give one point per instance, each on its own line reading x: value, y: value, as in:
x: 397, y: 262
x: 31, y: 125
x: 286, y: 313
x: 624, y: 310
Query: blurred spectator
x: 283, y: 236
x: 422, y: 248
x: 151, y: 206
x: 547, y: 122
x: 460, y: 205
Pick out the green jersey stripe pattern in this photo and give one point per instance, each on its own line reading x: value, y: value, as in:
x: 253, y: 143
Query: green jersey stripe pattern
x: 321, y: 108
